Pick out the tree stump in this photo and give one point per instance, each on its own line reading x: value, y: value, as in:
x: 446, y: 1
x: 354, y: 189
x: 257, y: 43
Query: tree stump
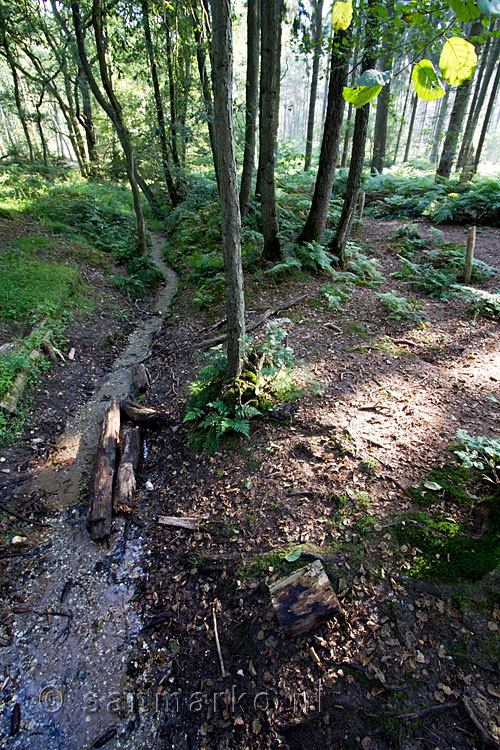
x: 304, y: 599
x: 100, y: 509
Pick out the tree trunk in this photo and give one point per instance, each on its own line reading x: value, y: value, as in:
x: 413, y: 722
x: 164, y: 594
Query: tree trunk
x: 410, y: 129
x: 456, y: 119
x: 160, y: 115
x: 171, y: 88
x: 486, y: 121
x: 199, y: 36
x: 339, y: 241
x: 251, y: 104
x: 403, y: 121
x: 17, y: 91
x: 222, y: 78
x: 111, y: 106
x: 87, y: 121
x: 45, y: 153
x: 316, y: 220
x: 380, y: 133
x: 438, y: 135
x: 470, y: 128
x: 267, y: 156
x: 347, y: 134
x: 318, y: 35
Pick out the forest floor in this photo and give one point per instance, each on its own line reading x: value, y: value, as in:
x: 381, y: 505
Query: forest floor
x: 408, y: 663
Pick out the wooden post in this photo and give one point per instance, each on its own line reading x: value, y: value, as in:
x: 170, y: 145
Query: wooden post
x: 304, y: 599
x: 469, y: 255
x: 100, y: 509
x: 361, y: 204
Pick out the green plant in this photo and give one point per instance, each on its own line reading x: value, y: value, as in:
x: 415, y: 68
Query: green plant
x: 401, y: 308
x: 483, y: 303
x: 479, y: 452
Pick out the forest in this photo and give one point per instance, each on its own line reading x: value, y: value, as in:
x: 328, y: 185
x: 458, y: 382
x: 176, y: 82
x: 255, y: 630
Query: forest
x: 249, y: 374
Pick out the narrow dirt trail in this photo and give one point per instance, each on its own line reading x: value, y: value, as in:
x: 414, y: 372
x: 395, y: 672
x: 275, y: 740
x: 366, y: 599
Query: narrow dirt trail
x: 70, y: 647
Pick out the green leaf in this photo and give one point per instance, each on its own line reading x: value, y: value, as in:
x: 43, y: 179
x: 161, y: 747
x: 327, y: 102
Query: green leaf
x: 373, y: 78
x: 426, y: 81
x: 491, y: 7
x: 465, y: 11
x: 360, y: 95
x: 458, y: 61
x: 342, y: 15
x: 294, y: 554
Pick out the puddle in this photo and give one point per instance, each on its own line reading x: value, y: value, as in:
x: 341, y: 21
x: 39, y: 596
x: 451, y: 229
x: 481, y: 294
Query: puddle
x: 68, y: 658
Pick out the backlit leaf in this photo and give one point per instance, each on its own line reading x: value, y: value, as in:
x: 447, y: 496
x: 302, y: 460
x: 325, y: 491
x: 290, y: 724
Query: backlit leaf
x: 373, y: 78
x: 358, y: 96
x: 465, y: 11
x: 342, y: 15
x: 458, y: 61
x: 426, y: 81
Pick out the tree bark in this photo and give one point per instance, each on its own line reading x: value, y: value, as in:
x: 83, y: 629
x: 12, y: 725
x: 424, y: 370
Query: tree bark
x: 100, y: 510
x: 381, y: 117
x: 160, y: 115
x: 439, y: 130
x: 271, y: 21
x: 456, y: 120
x: 222, y: 81
x: 403, y: 121
x: 251, y: 103
x: 410, y: 128
x: 318, y: 35
x: 17, y: 91
x: 110, y: 105
x: 339, y: 241
x: 486, y: 121
x: 316, y: 220
x: 124, y: 494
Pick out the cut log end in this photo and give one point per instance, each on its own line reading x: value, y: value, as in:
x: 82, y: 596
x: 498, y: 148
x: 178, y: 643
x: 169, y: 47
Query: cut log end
x: 304, y: 599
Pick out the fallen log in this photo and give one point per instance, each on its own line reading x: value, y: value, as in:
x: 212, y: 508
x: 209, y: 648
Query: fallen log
x: 143, y: 415
x: 9, y: 403
x: 208, y: 343
x: 141, y: 379
x: 100, y: 509
x: 304, y: 599
x: 124, y: 495
x: 182, y: 523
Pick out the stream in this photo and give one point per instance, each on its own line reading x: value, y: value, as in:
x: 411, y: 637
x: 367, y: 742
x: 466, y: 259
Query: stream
x: 69, y: 654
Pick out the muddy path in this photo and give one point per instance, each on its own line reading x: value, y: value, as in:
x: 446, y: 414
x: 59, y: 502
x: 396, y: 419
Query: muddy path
x: 68, y: 659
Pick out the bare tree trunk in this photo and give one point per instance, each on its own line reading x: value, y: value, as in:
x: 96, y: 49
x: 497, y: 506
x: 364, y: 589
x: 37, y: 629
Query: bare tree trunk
x: 339, y: 241
x: 403, y: 122
x: 439, y: 130
x: 318, y: 35
x: 251, y: 104
x: 17, y: 91
x: 381, y: 116
x: 347, y: 134
x: 45, y: 154
x: 410, y: 128
x: 271, y: 21
x: 160, y: 115
x: 171, y: 88
x: 87, y: 121
x: 316, y: 220
x: 222, y: 78
x: 486, y: 121
x: 110, y: 105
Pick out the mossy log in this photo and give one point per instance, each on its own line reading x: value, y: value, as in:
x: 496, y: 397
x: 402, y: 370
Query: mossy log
x: 304, y: 599
x: 143, y: 415
x: 11, y: 400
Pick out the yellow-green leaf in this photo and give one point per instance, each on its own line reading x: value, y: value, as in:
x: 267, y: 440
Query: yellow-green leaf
x: 342, y: 15
x: 358, y: 96
x: 465, y: 10
x: 426, y: 81
x: 458, y: 61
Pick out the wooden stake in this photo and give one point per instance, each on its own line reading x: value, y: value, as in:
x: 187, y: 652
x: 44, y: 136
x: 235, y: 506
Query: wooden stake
x: 361, y: 205
x: 469, y: 255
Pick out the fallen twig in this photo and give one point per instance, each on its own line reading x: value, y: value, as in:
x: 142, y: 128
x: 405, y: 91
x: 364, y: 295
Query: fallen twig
x: 217, y: 643
x: 488, y: 739
x: 21, y: 517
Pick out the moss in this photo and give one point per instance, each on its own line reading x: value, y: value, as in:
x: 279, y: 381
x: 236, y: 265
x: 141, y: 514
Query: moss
x: 357, y: 329
x: 452, y: 479
x: 445, y: 551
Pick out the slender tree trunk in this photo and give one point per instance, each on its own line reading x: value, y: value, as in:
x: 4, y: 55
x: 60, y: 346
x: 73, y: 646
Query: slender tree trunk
x: 222, y: 78
x: 271, y: 21
x: 251, y: 104
x: 45, y: 154
x: 439, y: 130
x: 347, y: 134
x: 318, y: 35
x: 160, y: 115
x: 87, y: 121
x: 316, y: 220
x: 456, y: 119
x: 381, y: 117
x: 17, y: 91
x: 486, y: 121
x: 410, y: 128
x: 111, y: 106
x: 199, y: 37
x: 470, y: 128
x: 339, y: 241
x: 171, y: 88
x: 403, y: 122
x: 8, y: 136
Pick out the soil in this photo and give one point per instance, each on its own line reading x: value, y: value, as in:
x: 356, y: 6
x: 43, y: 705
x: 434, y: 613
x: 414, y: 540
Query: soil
x: 405, y: 664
